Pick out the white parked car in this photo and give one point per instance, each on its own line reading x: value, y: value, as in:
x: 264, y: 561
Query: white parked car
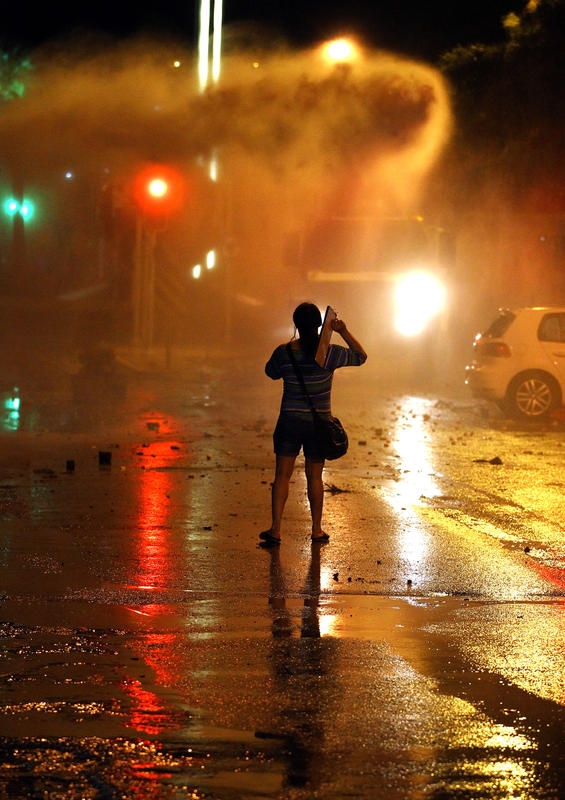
x: 519, y: 362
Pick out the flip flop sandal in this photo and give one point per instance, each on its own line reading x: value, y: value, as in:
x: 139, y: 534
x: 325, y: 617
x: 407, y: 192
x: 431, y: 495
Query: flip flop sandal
x: 268, y: 540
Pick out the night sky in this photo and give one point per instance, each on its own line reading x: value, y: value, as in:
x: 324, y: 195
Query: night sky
x: 422, y: 29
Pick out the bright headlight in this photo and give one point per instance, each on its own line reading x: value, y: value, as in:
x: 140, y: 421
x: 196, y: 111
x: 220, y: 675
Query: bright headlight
x: 418, y: 298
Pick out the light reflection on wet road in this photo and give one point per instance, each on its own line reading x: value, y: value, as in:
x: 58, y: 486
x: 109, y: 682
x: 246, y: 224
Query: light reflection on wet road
x: 152, y: 650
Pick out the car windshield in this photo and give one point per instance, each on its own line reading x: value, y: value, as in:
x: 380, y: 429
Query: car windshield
x: 500, y: 325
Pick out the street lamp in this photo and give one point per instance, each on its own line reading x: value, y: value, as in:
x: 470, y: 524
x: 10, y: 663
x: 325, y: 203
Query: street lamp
x: 340, y: 51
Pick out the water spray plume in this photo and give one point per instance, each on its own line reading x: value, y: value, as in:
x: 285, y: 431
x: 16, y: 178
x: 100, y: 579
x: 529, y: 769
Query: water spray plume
x: 291, y: 137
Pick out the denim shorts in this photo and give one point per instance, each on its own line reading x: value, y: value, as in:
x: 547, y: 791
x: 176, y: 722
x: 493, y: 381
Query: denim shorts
x: 296, y: 431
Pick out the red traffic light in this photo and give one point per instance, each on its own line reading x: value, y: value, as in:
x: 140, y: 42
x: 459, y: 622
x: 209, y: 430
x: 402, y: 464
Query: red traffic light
x: 159, y: 189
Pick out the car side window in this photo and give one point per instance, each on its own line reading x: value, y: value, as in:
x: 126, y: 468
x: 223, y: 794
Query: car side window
x: 552, y: 328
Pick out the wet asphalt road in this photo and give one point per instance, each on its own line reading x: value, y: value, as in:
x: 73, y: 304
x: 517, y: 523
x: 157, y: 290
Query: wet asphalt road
x: 151, y: 649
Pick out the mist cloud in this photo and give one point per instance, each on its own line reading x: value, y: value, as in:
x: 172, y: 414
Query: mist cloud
x: 294, y: 139
x: 295, y: 117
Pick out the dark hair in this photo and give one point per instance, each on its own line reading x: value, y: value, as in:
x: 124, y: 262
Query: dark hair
x: 307, y: 318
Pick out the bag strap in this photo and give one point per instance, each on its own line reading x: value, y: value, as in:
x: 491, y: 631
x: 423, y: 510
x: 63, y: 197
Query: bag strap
x: 300, y: 377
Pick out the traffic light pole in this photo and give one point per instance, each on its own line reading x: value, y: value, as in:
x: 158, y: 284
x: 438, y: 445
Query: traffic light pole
x: 18, y: 237
x: 144, y: 284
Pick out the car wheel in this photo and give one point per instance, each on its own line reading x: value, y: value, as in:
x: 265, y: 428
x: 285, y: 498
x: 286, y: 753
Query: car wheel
x: 532, y: 396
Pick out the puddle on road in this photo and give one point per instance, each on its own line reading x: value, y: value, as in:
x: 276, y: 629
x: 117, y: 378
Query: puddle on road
x: 311, y: 689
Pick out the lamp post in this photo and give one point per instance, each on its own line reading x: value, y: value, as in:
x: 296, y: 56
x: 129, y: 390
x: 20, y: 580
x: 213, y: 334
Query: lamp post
x: 209, y: 69
x: 210, y: 22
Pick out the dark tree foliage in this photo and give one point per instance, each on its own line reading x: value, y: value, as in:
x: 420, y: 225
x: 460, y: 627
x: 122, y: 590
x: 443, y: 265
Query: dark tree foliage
x: 14, y: 72
x: 508, y: 101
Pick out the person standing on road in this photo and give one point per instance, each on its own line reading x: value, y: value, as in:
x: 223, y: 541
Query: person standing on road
x: 295, y: 426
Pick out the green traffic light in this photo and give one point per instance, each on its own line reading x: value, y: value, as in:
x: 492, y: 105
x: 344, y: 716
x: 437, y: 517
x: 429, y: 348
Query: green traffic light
x: 24, y: 208
x: 10, y: 207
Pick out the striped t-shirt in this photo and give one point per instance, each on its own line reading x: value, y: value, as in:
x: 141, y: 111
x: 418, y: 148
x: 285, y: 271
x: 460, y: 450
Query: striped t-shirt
x: 318, y: 379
